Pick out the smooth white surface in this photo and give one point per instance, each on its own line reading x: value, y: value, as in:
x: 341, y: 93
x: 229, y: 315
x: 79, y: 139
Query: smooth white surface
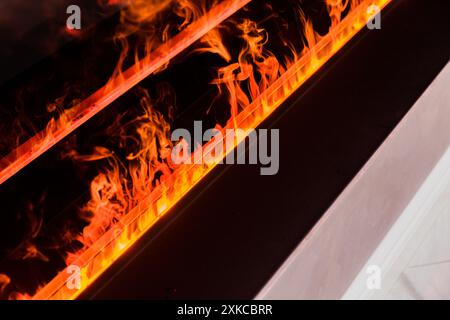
x: 325, y: 263
x: 414, y: 257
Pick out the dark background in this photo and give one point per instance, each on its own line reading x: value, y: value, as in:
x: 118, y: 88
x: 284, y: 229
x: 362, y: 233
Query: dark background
x: 227, y: 238
x: 42, y: 202
x: 231, y: 233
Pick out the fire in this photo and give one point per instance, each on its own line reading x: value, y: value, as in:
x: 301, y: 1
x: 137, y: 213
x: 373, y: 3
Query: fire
x: 194, y: 26
x: 4, y: 281
x: 127, y: 200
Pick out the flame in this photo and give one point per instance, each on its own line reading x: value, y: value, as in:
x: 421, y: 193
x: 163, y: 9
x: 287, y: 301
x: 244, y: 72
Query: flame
x: 121, y: 188
x: 194, y: 26
x: 213, y: 43
x: 4, y: 282
x: 126, y: 201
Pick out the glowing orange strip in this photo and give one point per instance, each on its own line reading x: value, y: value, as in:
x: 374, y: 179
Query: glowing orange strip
x: 97, y: 258
x: 44, y: 140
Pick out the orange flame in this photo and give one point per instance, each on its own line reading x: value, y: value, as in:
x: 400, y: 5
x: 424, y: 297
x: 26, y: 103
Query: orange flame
x: 4, y: 282
x: 194, y: 28
x: 256, y: 85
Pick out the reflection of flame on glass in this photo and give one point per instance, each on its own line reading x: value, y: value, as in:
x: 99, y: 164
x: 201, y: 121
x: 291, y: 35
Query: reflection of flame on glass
x: 197, y: 22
